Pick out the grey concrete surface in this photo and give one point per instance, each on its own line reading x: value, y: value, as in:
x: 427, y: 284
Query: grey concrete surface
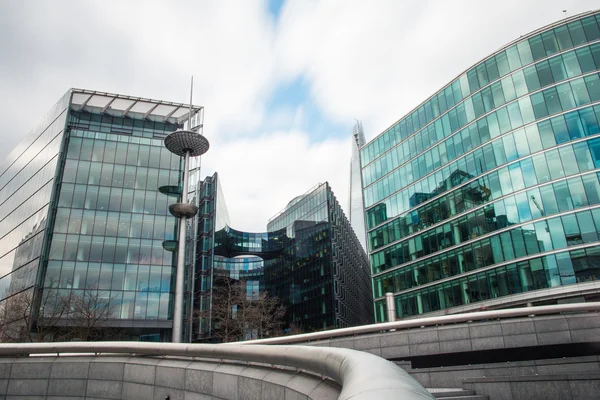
x: 231, y: 370
x: 581, y: 386
x: 136, y: 378
x: 495, y: 376
x: 475, y: 336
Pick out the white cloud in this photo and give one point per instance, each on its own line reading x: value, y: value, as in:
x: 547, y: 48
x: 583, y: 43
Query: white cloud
x: 260, y: 175
x: 368, y: 60
x: 378, y: 60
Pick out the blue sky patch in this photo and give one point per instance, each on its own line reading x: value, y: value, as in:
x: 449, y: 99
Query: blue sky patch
x: 291, y: 107
x: 275, y: 6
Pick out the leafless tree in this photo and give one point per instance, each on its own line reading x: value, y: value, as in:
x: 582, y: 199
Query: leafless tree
x: 17, y: 312
x: 88, y: 313
x: 238, y: 315
x: 267, y: 315
x: 61, y: 316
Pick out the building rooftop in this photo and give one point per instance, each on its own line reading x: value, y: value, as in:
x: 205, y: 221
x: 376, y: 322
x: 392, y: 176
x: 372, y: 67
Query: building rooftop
x: 135, y: 107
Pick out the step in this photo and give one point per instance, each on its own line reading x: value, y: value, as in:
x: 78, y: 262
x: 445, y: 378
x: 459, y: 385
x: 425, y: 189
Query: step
x: 455, y: 394
x: 451, y: 393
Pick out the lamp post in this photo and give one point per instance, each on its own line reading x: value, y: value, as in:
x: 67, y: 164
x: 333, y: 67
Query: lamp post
x: 185, y: 144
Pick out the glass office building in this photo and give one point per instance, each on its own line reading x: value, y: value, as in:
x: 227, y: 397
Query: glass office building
x: 488, y: 193
x: 309, y: 258
x: 82, y: 214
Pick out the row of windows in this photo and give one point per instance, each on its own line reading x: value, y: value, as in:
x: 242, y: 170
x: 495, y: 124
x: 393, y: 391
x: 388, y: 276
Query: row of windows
x: 104, y: 276
x: 19, y: 279
x: 551, y: 234
x: 247, y: 241
x: 544, y: 272
x: 502, y: 63
x: 560, y: 129
x: 114, y: 199
x: 17, y: 220
x: 553, y: 164
x: 572, y: 94
x: 126, y: 125
x: 102, y: 223
x: 122, y: 305
x: 556, y: 69
x: 130, y: 177
x: 36, y: 152
x: 535, y: 203
x: 123, y: 153
x: 14, y: 200
x: 23, y: 244
x: 109, y: 249
x: 377, y: 259
x: 297, y: 211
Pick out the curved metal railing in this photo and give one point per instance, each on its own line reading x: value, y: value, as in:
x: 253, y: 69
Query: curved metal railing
x: 430, y: 321
x: 362, y: 376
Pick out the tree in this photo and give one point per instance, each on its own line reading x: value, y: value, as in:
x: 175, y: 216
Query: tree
x: 239, y: 315
x: 267, y: 315
x: 62, y: 316
x: 88, y: 313
x: 16, y: 316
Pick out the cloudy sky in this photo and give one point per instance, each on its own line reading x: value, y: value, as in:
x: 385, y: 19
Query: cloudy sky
x: 281, y: 81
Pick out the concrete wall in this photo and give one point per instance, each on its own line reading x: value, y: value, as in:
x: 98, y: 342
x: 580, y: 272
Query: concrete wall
x: 542, y: 387
x: 443, y: 377
x: 475, y: 336
x: 143, y: 378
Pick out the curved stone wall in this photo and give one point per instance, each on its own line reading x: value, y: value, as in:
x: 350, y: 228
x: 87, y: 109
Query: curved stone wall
x: 143, y: 378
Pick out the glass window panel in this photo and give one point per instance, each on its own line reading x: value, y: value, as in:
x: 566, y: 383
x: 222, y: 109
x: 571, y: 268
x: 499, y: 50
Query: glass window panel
x: 571, y: 64
x: 525, y: 52
x: 592, y: 188
x: 577, y: 33
x: 514, y: 60
x: 590, y: 27
x: 580, y: 92
x: 544, y: 73
x: 546, y: 134
x: 557, y: 67
x: 532, y: 79
x: 563, y: 37
x: 592, y: 84
x: 537, y: 47
x: 586, y: 61
x: 569, y: 162
x: 539, y: 105
x: 550, y: 42
x: 557, y: 233
x: 565, y: 95
x: 552, y: 101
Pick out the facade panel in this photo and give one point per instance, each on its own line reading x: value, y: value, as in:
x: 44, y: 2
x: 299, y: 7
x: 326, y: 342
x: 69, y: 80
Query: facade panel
x: 495, y: 172
x: 309, y: 258
x: 82, y: 221
x: 26, y: 186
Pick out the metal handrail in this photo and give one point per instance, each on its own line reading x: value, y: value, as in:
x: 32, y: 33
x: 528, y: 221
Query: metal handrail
x: 362, y: 376
x: 430, y: 321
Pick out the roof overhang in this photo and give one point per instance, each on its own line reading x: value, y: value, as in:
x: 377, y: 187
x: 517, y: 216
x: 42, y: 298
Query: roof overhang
x: 129, y: 106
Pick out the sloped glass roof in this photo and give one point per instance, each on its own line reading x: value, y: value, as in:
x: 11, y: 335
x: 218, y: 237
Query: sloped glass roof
x: 135, y: 107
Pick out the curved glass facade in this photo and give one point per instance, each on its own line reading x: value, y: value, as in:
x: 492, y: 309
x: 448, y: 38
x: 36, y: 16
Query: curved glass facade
x: 490, y: 187
x: 309, y: 258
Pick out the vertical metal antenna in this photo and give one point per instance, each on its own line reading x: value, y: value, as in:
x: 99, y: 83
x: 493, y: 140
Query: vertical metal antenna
x: 191, y: 96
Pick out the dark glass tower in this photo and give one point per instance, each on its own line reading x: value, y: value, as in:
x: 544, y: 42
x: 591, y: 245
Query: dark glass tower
x: 309, y: 258
x: 487, y: 194
x: 83, y: 216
